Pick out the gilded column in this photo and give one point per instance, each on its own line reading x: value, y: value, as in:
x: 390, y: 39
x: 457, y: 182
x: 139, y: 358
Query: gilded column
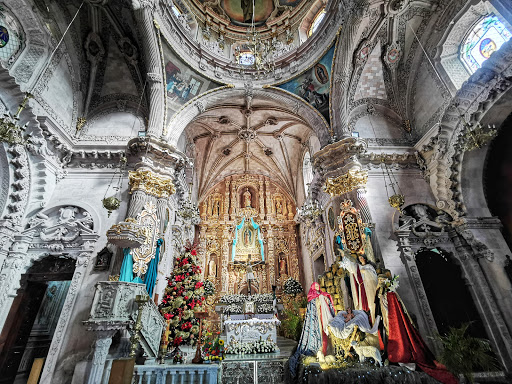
x: 270, y: 256
x: 203, y: 254
x: 226, y: 256
x: 262, y: 201
x: 144, y: 10
x: 227, y: 198
x: 267, y: 195
x: 234, y: 202
x: 294, y: 260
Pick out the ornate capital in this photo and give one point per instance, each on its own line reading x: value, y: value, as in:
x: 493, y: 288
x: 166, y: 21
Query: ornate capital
x: 154, y: 77
x: 151, y: 183
x: 351, y: 180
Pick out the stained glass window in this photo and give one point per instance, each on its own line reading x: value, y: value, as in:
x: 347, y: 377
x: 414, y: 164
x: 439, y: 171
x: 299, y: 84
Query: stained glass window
x: 486, y: 37
x: 316, y: 22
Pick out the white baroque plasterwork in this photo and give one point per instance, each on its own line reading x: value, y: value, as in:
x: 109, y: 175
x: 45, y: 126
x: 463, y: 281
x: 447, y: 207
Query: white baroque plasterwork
x: 444, y: 154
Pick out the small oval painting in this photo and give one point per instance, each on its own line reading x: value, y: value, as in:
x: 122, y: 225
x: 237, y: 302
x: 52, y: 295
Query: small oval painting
x: 487, y: 47
x: 4, y: 36
x: 331, y: 218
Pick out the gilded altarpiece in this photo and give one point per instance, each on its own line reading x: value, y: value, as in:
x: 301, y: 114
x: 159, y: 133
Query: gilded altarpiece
x: 264, y: 214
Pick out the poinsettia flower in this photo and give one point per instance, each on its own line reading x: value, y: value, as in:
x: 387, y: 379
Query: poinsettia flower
x: 193, y: 252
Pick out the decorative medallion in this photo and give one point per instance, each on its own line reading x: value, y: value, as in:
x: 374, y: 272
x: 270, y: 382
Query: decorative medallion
x: 393, y: 55
x: 362, y: 55
x: 351, y: 228
x: 4, y: 36
x: 331, y: 218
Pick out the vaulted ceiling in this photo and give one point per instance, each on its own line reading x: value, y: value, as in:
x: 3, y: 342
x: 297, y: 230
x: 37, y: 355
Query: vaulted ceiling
x: 262, y: 139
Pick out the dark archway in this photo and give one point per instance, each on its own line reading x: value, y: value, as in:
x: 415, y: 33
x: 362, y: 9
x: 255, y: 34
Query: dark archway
x: 498, y: 178
x: 449, y: 297
x: 31, y: 322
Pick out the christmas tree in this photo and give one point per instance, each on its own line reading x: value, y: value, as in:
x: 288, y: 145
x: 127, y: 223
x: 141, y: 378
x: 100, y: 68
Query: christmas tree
x: 184, y: 294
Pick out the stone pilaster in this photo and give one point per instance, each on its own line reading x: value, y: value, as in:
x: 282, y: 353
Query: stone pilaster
x: 101, y: 347
x: 144, y: 10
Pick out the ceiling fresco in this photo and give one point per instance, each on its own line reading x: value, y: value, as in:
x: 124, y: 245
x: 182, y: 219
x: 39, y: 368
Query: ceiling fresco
x: 241, y: 11
x: 182, y: 83
x: 314, y: 85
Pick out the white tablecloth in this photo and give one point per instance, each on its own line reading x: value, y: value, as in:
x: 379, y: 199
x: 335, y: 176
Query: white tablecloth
x: 251, y: 330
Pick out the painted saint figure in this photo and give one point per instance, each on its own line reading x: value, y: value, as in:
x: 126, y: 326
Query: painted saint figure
x: 247, y: 9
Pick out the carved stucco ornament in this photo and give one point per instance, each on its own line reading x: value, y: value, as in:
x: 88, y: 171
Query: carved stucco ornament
x: 347, y: 182
x: 151, y: 183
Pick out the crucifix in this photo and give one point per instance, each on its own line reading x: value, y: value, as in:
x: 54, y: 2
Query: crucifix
x: 250, y: 274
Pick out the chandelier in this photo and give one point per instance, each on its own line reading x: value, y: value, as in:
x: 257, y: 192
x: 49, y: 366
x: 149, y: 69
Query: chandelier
x: 310, y: 210
x: 10, y: 131
x: 256, y: 53
x: 397, y: 199
x: 475, y: 137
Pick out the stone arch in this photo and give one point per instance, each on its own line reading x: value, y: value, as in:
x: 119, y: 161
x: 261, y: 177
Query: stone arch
x: 484, y: 89
x: 424, y: 227
x: 204, y: 102
x: 63, y: 231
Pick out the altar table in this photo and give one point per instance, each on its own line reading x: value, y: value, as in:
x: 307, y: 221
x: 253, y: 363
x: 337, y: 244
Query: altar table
x: 251, y: 330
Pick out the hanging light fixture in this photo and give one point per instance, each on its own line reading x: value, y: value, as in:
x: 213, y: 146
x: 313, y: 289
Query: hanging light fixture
x: 476, y: 136
x: 256, y: 53
x: 113, y: 202
x: 10, y: 131
x: 397, y: 199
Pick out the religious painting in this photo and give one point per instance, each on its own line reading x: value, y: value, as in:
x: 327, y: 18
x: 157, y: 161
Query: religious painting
x: 182, y: 83
x: 331, y: 219
x: 248, y: 237
x: 241, y: 11
x: 247, y: 241
x: 314, y: 85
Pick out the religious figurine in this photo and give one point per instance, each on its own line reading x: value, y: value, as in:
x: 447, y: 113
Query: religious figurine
x: 363, y: 283
x: 212, y: 268
x: 250, y: 274
x: 282, y: 266
x: 320, y: 311
x: 247, y: 198
x: 279, y: 207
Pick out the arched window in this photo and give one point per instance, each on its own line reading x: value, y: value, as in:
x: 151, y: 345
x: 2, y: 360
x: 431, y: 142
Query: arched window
x: 486, y: 37
x: 316, y: 21
x: 307, y: 172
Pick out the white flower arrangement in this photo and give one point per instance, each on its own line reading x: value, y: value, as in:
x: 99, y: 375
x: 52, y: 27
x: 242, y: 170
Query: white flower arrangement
x: 250, y: 347
x: 233, y: 308
x: 265, y: 308
x: 292, y: 286
x: 393, y: 284
x: 263, y: 298
x: 233, y: 299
